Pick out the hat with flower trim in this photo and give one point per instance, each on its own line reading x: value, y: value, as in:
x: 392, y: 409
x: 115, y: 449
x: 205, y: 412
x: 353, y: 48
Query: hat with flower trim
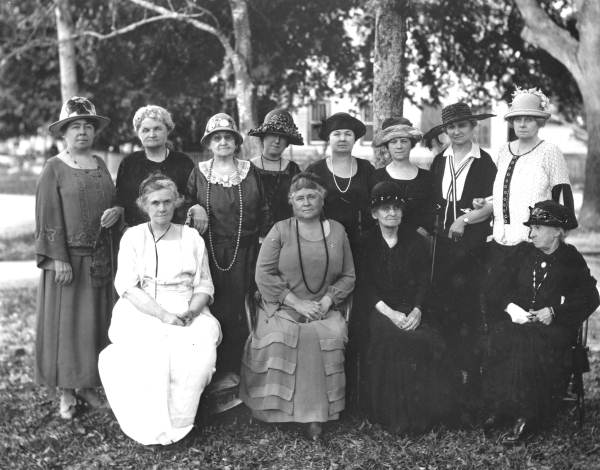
x: 218, y: 123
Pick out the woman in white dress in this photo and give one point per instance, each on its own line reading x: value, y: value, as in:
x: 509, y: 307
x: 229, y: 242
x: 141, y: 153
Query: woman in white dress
x: 163, y: 336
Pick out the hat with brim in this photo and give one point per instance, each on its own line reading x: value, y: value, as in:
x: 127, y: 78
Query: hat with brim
x: 279, y: 122
x: 76, y: 108
x: 456, y: 112
x: 342, y: 121
x: 396, y: 131
x: 527, y: 103
x: 387, y: 192
x: 221, y: 122
x: 551, y: 214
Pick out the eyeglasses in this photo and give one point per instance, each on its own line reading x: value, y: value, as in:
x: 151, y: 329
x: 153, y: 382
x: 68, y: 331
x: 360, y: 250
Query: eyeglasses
x: 80, y: 106
x: 543, y: 215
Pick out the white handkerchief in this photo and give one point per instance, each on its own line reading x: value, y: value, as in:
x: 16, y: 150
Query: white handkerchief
x: 517, y: 314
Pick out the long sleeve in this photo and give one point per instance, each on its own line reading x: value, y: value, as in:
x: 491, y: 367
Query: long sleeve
x: 581, y: 298
x: 203, y: 283
x: 419, y: 262
x: 269, y: 280
x: 50, y: 231
x: 127, y: 275
x: 344, y: 284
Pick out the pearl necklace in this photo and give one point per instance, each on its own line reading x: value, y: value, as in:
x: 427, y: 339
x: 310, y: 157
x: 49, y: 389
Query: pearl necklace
x: 239, y: 232
x: 343, y: 191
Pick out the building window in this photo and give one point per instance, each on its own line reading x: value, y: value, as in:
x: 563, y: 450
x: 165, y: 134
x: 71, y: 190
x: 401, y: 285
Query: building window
x: 366, y: 112
x: 318, y: 112
x: 484, y: 130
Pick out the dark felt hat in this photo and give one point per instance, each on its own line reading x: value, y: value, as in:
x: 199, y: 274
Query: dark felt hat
x: 386, y: 192
x: 455, y: 113
x: 342, y: 121
x: 551, y: 214
x: 279, y: 122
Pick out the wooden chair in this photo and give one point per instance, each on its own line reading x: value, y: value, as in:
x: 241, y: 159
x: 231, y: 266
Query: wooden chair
x: 579, y: 366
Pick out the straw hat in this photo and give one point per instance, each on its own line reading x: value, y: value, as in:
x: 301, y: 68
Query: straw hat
x: 76, y: 108
x: 530, y: 102
x: 279, y: 122
x: 456, y: 112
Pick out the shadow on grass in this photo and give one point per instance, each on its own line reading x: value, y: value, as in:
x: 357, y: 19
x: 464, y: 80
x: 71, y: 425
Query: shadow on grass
x: 33, y: 436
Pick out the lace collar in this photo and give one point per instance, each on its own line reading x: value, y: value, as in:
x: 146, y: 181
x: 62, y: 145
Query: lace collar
x: 228, y: 180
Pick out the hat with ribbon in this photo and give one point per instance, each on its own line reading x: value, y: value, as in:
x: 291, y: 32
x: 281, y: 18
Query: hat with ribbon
x: 76, y: 108
x: 393, y: 128
x: 279, y: 122
x: 456, y: 112
x: 218, y: 123
x: 531, y: 102
x: 386, y: 192
x: 342, y: 121
x: 551, y: 214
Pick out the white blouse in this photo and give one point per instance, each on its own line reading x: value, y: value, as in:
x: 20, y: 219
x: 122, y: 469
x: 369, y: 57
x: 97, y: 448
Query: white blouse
x: 534, y: 176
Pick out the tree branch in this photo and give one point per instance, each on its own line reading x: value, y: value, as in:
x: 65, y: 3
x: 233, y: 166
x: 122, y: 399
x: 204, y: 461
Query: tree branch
x: 125, y: 29
x: 544, y: 33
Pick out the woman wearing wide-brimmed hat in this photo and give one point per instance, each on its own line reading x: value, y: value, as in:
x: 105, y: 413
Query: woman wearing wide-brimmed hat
x: 394, y: 143
x: 276, y: 133
x: 74, y: 212
x: 347, y: 179
x: 462, y: 173
x: 536, y: 314
x: 152, y: 124
x: 230, y: 192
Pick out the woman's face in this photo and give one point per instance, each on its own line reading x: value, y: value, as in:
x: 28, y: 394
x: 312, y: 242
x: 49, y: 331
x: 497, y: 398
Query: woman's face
x: 222, y: 144
x: 399, y: 148
x: 525, y: 127
x: 342, y: 140
x: 388, y: 215
x: 460, y: 133
x: 152, y: 133
x: 160, y: 206
x: 274, y: 145
x: 79, y: 135
x: 307, y: 203
x: 543, y: 237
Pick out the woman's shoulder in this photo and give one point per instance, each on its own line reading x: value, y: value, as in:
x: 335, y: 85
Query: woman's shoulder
x: 336, y: 228
x: 320, y: 166
x: 190, y: 233
x: 364, y: 165
x: 549, y: 149
x: 181, y: 158
x: 133, y: 158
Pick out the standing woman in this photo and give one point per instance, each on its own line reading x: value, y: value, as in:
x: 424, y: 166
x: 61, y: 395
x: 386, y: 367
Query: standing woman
x: 529, y: 170
x: 347, y: 179
x: 276, y: 133
x: 152, y: 124
x: 74, y: 211
x: 461, y: 173
x: 228, y: 190
x: 395, y: 141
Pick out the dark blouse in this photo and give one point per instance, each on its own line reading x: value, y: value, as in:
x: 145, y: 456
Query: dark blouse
x: 135, y: 167
x: 276, y: 185
x: 225, y: 205
x: 68, y: 205
x: 563, y: 283
x: 417, y: 193
x: 351, y: 208
x: 479, y: 183
x: 397, y: 276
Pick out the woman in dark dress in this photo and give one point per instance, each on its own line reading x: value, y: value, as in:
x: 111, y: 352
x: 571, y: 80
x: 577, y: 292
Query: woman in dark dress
x: 462, y: 173
x: 73, y: 213
x: 347, y: 179
x: 407, y: 383
x: 152, y: 124
x: 229, y: 191
x: 393, y: 144
x: 551, y: 292
x: 276, y: 133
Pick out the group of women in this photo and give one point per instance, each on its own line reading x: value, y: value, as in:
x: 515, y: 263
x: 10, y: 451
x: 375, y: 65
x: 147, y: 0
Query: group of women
x: 406, y: 247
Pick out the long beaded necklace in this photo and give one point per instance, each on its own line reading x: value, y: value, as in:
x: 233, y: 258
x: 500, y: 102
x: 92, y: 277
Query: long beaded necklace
x: 536, y: 288
x: 302, y: 264
x: 239, y: 232
x: 156, y: 240
x: 343, y: 191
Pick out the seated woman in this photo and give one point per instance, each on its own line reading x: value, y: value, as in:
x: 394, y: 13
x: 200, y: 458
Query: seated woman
x: 551, y: 291
x: 408, y: 390
x: 293, y: 364
x: 164, y: 338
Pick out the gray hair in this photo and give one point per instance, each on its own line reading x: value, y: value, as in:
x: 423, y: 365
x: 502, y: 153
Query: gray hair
x: 306, y: 180
x: 157, y: 113
x: 157, y: 182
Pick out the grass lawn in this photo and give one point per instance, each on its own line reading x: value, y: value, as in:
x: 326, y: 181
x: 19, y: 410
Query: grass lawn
x: 33, y: 436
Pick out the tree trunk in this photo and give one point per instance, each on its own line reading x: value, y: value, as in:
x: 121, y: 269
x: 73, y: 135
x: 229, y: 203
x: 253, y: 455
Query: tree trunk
x: 389, y: 61
x: 245, y: 89
x: 66, y: 50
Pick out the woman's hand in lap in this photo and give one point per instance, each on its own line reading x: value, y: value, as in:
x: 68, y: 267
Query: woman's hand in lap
x: 413, y: 320
x: 543, y: 315
x: 325, y: 304
x: 63, y: 273
x: 171, y: 319
x: 309, y: 309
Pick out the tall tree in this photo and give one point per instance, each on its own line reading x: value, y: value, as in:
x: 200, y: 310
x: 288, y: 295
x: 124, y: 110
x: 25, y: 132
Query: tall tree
x: 65, y: 31
x: 579, y: 52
